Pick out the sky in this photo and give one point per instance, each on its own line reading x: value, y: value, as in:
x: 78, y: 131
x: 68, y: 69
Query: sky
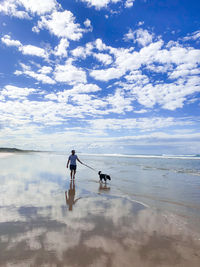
x: 100, y: 76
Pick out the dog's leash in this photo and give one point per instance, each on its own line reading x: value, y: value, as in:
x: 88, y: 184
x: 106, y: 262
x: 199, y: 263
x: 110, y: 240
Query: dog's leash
x: 89, y: 167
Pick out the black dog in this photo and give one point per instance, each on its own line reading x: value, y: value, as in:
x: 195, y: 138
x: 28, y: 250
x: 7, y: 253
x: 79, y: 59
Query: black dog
x: 103, y: 176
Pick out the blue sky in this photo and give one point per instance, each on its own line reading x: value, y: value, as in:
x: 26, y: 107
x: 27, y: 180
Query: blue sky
x: 100, y: 76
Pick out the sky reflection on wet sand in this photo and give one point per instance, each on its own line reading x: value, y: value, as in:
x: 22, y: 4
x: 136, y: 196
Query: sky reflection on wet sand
x: 46, y: 221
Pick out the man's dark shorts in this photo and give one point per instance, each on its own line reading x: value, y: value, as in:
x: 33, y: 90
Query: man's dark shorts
x: 72, y: 167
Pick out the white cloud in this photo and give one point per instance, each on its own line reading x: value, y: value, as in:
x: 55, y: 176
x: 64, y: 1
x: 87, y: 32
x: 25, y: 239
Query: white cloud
x: 129, y: 35
x: 85, y: 88
x: 25, y: 49
x: 39, y: 7
x: 79, y: 52
x: 88, y: 24
x: 180, y: 64
x: 178, y: 55
x: 104, y: 58
x: 194, y: 36
x: 82, y: 52
x: 10, y: 7
x: 140, y: 111
x: 6, y: 39
x: 137, y: 77
x: 107, y: 74
x: 98, y: 4
x: 160, y: 68
x: 168, y: 95
x: 40, y: 76
x: 15, y: 92
x: 61, y: 49
x: 61, y: 24
x: 140, y: 23
x: 147, y: 124
x: 126, y: 60
x: 184, y: 70
x: 69, y: 74
x: 33, y: 51
x: 100, y: 45
x: 140, y: 36
x: 45, y: 70
x: 79, y: 95
x: 129, y: 3
x: 119, y: 103
x: 14, y: 7
x: 77, y: 89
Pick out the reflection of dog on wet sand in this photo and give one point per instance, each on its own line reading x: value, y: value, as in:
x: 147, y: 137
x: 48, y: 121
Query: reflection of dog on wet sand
x: 103, y: 176
x: 103, y: 187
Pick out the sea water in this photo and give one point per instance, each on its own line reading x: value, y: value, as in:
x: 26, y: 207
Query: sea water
x: 47, y: 219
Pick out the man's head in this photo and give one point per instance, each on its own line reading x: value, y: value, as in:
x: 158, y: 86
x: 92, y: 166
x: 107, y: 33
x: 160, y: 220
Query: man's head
x: 73, y: 152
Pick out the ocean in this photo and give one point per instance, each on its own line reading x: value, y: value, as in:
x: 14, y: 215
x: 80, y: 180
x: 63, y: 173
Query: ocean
x: 149, y: 213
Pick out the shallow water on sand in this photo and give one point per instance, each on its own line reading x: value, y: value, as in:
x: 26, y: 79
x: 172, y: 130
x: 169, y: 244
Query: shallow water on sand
x: 147, y: 215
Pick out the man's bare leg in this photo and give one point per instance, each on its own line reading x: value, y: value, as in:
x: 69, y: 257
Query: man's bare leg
x: 74, y: 174
x: 71, y: 174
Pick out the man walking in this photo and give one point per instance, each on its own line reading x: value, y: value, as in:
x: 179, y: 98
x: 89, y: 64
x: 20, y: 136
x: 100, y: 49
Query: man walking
x: 72, y: 160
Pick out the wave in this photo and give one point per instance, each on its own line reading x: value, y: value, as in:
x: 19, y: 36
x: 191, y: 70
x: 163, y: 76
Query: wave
x: 163, y: 156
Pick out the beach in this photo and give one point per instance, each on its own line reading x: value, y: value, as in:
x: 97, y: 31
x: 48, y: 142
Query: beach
x: 147, y: 215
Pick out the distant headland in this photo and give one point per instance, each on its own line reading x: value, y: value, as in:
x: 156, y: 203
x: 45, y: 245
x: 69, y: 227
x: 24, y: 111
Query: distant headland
x: 16, y: 150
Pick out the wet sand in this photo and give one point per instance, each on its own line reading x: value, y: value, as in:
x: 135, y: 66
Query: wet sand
x: 47, y: 220
x: 5, y: 155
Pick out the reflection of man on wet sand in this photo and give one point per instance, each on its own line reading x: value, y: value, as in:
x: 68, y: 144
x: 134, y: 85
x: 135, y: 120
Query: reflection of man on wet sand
x: 71, y: 195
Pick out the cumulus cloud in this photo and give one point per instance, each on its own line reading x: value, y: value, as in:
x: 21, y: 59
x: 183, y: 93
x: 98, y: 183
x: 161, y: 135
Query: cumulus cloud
x: 63, y: 96
x: 10, y: 7
x: 140, y: 36
x: 32, y: 50
x: 40, y: 75
x: 119, y: 103
x: 180, y: 64
x: 25, y: 49
x: 45, y: 70
x: 15, y: 92
x: 82, y: 52
x: 6, y: 39
x: 85, y: 88
x: 104, y: 58
x: 168, y: 95
x: 61, y: 49
x: 39, y: 7
x: 129, y: 3
x: 69, y: 74
x: 24, y: 9
x: 147, y: 124
x: 62, y: 24
x: 98, y: 4
x: 100, y: 45
x: 194, y: 36
x: 88, y: 24
x: 107, y: 74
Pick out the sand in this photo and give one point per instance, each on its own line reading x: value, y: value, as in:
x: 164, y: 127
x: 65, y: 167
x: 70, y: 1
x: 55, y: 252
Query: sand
x: 47, y: 220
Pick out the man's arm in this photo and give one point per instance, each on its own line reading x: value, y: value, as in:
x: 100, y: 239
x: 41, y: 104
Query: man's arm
x: 79, y: 160
x: 67, y: 163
